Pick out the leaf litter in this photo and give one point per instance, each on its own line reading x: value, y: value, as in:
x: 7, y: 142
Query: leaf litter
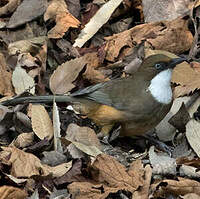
x: 62, y: 46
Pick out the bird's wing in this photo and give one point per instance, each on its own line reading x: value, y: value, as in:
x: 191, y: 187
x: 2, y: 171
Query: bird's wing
x: 118, y: 93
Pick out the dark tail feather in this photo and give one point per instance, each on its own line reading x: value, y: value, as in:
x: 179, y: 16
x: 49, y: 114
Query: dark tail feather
x: 39, y: 99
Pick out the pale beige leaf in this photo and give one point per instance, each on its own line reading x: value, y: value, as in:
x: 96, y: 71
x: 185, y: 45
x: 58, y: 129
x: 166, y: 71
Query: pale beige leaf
x: 22, y: 81
x: 23, y: 140
x: 41, y: 122
x: 193, y: 136
x: 84, y: 138
x: 96, y: 22
x: 56, y: 128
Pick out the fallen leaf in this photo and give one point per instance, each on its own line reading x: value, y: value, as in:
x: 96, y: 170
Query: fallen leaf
x: 162, y: 164
x: 56, y: 129
x: 191, y: 196
x: 23, y: 140
x: 109, y: 176
x: 27, y: 11
x: 9, y: 192
x: 57, y: 10
x: 22, y: 81
x: 5, y: 78
x: 180, y: 119
x: 32, y: 46
x: 84, y: 139
x: 173, y: 36
x: 192, y: 135
x: 159, y: 10
x: 62, y: 78
x: 189, y: 172
x: 96, y: 22
x: 41, y: 122
x: 10, y: 6
x: 26, y: 164
x: 178, y: 187
x: 187, y: 77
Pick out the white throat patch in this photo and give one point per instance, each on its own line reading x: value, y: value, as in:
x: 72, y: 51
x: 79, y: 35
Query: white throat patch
x: 160, y: 87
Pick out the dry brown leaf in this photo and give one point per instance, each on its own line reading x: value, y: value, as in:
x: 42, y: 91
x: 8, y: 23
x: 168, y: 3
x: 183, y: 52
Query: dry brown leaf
x: 172, y: 36
x: 193, y: 136
x: 41, y: 122
x: 143, y: 192
x: 23, y: 140
x: 5, y: 78
x: 91, y: 73
x: 110, y: 176
x: 57, y: 10
x: 9, y: 7
x: 8, y: 192
x: 178, y: 187
x: 187, y: 77
x: 26, y: 164
x: 159, y: 10
x: 62, y: 79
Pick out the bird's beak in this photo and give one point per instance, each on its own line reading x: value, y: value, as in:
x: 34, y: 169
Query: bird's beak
x: 176, y: 61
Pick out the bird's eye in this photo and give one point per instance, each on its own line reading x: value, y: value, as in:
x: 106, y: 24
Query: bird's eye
x: 158, y: 66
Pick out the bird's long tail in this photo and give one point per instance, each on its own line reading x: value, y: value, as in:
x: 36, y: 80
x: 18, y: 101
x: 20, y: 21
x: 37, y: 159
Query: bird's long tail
x: 40, y: 99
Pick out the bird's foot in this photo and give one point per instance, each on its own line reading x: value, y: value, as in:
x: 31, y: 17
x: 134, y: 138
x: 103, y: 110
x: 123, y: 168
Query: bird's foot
x: 160, y: 145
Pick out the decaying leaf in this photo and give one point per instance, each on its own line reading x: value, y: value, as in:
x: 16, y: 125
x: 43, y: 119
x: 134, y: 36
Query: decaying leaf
x: 41, y: 122
x: 84, y: 139
x: 10, y: 6
x: 173, y: 36
x: 5, y: 78
x: 109, y: 176
x: 187, y: 77
x: 96, y: 22
x: 180, y: 119
x: 9, y: 192
x: 56, y: 129
x: 32, y: 46
x: 193, y: 136
x: 162, y: 164
x: 26, y: 165
x: 57, y: 10
x: 62, y: 79
x: 178, y: 187
x: 23, y: 140
x: 22, y: 81
x: 26, y: 12
x: 159, y: 10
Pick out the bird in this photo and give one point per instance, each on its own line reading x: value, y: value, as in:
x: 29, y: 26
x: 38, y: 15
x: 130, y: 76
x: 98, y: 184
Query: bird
x: 138, y: 102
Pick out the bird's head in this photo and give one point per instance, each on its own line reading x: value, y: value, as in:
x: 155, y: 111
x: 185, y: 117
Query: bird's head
x: 157, y: 70
x: 155, y: 64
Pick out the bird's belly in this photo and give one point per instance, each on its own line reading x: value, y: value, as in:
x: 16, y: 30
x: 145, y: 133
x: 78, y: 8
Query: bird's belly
x: 145, y: 123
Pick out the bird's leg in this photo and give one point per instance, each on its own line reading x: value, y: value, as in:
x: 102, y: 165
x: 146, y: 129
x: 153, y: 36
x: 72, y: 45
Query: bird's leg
x: 158, y: 144
x: 105, y: 131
